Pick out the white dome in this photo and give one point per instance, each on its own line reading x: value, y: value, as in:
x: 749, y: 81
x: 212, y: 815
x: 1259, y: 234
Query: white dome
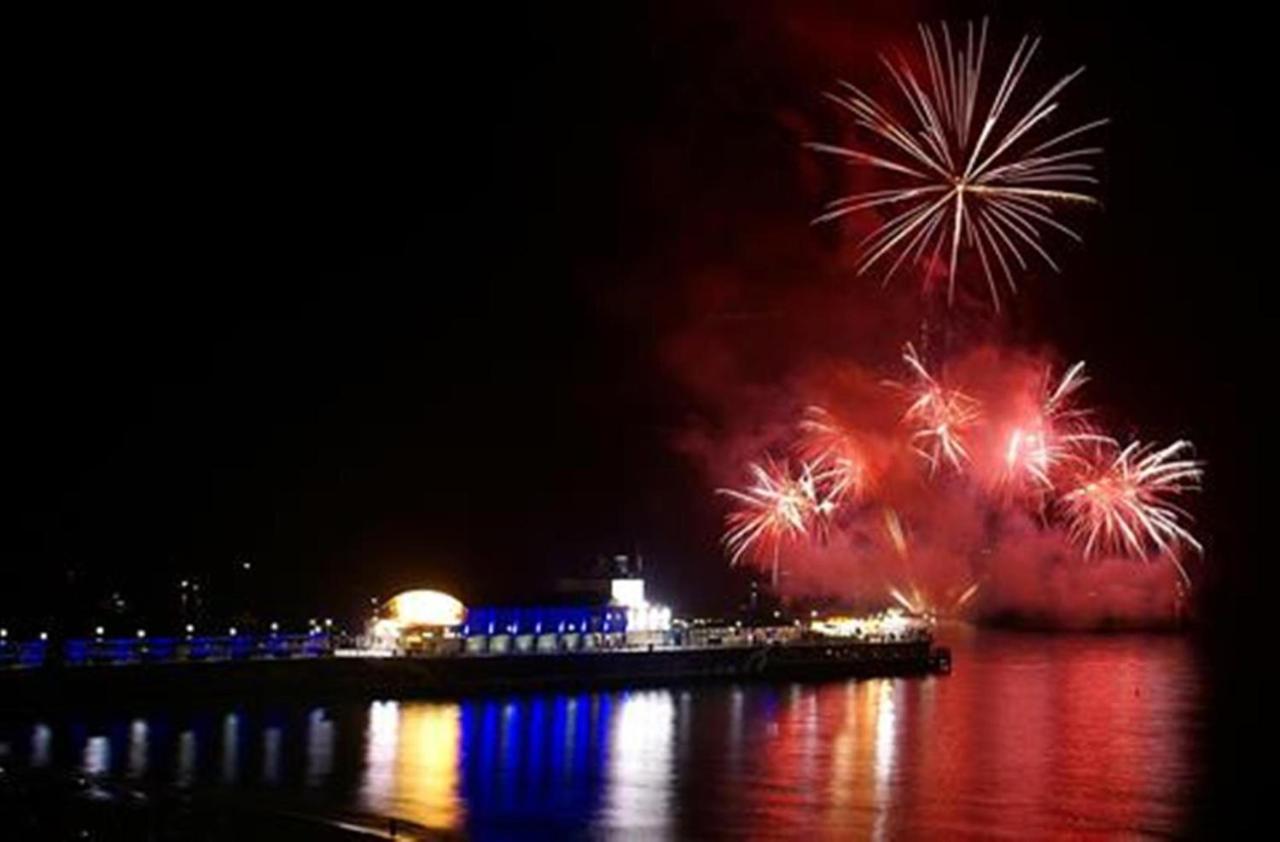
x: 426, y: 608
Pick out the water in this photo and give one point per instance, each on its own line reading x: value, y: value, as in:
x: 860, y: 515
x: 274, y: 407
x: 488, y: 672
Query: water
x: 1031, y: 736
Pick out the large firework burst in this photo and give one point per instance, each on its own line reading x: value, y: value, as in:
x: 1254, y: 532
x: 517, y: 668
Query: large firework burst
x: 1123, y: 502
x: 967, y: 180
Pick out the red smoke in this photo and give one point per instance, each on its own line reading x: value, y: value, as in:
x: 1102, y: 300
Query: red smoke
x: 769, y: 317
x: 933, y: 535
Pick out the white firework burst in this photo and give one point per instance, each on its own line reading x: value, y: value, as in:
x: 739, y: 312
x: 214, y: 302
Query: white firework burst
x: 969, y: 181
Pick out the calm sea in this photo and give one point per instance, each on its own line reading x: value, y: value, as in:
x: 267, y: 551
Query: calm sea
x: 1031, y: 736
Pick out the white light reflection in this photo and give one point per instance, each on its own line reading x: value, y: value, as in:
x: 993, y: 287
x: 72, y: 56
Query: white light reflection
x: 41, y: 740
x: 378, y: 786
x: 230, y: 748
x: 271, y: 739
x: 807, y: 712
x: 97, y: 756
x: 885, y: 759
x: 186, y: 767
x: 137, y: 748
x: 319, y: 747
x: 734, y: 740
x: 640, y: 775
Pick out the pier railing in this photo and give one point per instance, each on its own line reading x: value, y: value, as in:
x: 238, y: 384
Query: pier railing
x: 187, y: 648
x: 193, y: 648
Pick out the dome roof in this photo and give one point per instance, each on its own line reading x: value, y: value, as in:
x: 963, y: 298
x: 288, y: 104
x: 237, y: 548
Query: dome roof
x: 426, y: 608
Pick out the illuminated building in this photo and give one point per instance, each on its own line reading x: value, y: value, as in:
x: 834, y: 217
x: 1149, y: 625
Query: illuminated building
x: 417, y: 620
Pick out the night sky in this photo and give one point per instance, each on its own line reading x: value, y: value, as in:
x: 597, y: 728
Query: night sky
x: 372, y: 304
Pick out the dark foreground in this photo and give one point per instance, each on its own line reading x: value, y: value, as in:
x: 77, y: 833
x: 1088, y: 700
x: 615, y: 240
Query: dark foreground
x: 73, y: 807
x: 1031, y: 736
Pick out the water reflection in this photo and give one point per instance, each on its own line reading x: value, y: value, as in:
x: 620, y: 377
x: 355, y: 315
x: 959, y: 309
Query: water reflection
x: 137, y: 748
x: 41, y: 740
x: 97, y: 756
x: 1028, y: 736
x: 411, y: 763
x: 271, y: 740
x: 640, y: 764
x: 320, y: 739
x: 230, y: 747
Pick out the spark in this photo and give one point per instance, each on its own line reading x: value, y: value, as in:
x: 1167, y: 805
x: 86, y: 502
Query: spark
x: 1124, y: 503
x: 938, y: 416
x: 967, y: 180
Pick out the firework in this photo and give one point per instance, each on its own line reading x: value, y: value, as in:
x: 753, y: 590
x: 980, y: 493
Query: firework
x: 1124, y: 503
x: 893, y: 526
x: 967, y: 180
x: 938, y: 416
x: 825, y: 443
x: 917, y: 601
x: 777, y: 508
x: 1039, y: 446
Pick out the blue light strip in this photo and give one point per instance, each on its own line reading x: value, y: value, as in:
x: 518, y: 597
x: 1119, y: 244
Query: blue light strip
x: 543, y: 619
x: 133, y: 650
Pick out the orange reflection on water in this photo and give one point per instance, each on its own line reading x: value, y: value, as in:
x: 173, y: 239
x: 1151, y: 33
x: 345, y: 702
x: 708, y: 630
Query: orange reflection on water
x: 411, y: 763
x: 858, y: 763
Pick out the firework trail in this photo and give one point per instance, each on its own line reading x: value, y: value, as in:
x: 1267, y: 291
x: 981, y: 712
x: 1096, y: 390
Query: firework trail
x: 912, y: 596
x: 893, y: 526
x: 937, y: 415
x: 1123, y: 503
x: 968, y: 179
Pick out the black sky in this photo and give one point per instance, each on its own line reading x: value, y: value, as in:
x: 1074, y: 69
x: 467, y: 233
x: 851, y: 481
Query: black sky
x: 375, y: 303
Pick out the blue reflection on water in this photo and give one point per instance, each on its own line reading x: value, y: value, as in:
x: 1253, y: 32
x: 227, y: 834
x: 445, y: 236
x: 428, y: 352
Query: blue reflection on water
x: 533, y: 763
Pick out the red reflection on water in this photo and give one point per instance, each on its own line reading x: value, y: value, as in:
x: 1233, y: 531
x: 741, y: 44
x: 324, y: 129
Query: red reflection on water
x: 1031, y: 736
